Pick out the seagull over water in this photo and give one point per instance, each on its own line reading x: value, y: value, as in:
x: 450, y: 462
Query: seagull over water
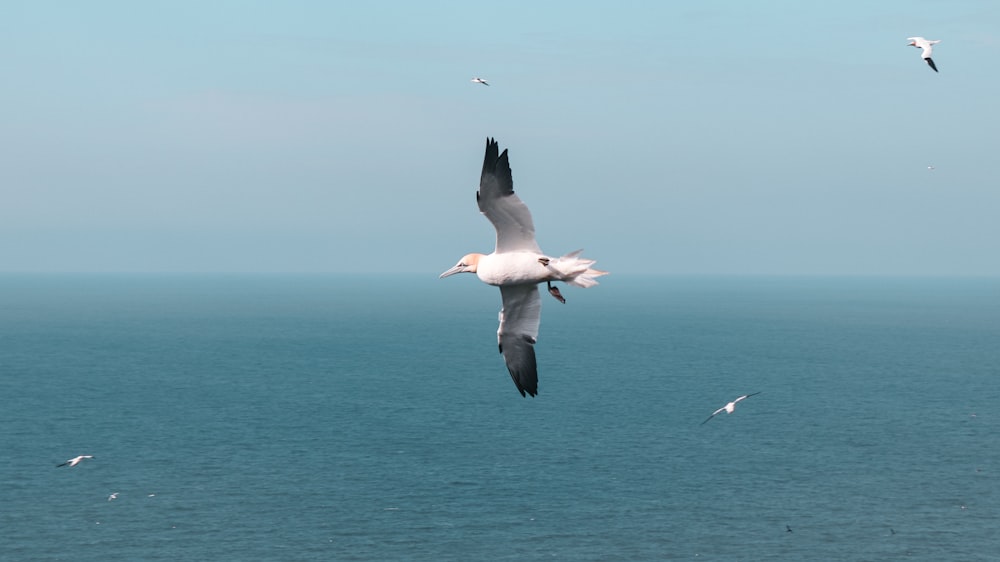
x: 729, y: 408
x: 75, y: 461
x: 517, y: 266
x: 479, y: 80
x: 927, y: 46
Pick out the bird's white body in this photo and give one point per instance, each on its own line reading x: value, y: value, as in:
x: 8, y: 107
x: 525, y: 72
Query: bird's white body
x: 511, y: 268
x: 730, y: 407
x: 517, y: 266
x: 521, y: 268
x: 926, y: 48
x: 75, y: 461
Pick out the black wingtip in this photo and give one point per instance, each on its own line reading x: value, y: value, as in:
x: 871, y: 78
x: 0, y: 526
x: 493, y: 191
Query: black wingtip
x: 526, y: 383
x: 524, y: 369
x: 496, y: 165
x: 931, y: 64
x: 526, y: 389
x: 492, y: 149
x: 491, y: 157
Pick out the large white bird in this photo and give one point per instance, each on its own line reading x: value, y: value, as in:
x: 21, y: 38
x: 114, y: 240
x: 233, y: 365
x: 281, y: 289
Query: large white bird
x: 729, y: 408
x: 75, y: 461
x: 479, y: 80
x: 927, y: 46
x: 517, y: 266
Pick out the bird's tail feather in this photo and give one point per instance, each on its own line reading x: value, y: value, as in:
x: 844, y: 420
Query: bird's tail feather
x: 576, y: 270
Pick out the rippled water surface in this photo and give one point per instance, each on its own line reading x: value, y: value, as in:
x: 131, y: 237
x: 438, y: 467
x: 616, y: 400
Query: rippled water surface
x: 349, y: 418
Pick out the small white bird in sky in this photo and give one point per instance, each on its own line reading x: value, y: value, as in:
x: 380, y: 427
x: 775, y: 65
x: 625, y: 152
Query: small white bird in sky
x: 927, y: 46
x: 75, y: 461
x: 729, y: 408
x: 479, y: 80
x: 517, y: 266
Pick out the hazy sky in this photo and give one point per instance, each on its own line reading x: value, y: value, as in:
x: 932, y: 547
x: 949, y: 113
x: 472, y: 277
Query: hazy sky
x: 698, y: 137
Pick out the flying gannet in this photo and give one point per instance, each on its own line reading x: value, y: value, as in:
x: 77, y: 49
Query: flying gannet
x: 729, y: 408
x: 517, y: 266
x: 479, y: 80
x: 75, y: 461
x: 927, y: 46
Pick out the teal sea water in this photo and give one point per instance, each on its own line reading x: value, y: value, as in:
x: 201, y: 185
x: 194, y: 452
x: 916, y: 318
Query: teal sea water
x: 366, y: 418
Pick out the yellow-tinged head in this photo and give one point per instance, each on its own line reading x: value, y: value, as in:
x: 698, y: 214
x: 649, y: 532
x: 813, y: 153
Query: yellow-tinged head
x: 467, y: 264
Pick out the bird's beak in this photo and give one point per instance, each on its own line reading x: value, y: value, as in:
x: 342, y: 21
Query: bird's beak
x: 457, y: 269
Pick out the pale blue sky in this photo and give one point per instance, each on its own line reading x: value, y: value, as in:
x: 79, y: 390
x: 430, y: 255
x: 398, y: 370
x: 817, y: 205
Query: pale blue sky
x: 708, y: 137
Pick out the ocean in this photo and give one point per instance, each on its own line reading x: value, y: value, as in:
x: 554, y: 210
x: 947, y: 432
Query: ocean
x: 282, y: 417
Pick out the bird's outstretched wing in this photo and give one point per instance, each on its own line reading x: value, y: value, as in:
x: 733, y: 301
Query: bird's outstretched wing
x: 931, y: 63
x: 715, y: 413
x: 519, y: 320
x: 509, y: 215
x: 745, y: 396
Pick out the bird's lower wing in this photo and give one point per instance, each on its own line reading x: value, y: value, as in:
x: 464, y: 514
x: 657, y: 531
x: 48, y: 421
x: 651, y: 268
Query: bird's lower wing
x: 715, y: 413
x: 519, y: 320
x: 931, y: 64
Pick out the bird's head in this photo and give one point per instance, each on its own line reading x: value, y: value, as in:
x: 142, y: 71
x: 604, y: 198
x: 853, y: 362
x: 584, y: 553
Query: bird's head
x: 467, y: 264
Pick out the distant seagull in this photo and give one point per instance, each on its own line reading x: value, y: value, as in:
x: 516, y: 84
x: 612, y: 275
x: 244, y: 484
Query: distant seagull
x: 517, y: 266
x: 927, y: 46
x: 75, y: 461
x: 728, y: 408
x: 479, y: 80
x: 930, y: 168
x: 787, y: 528
x: 113, y: 496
